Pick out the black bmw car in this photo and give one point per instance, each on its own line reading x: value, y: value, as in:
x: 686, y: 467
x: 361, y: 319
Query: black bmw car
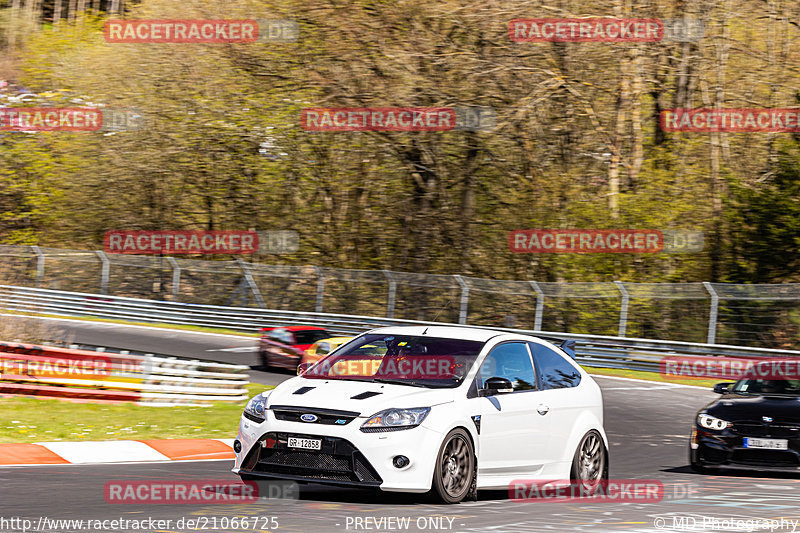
x: 755, y: 425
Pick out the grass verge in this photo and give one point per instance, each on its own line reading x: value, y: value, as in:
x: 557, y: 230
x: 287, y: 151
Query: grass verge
x: 45, y: 420
x: 650, y: 376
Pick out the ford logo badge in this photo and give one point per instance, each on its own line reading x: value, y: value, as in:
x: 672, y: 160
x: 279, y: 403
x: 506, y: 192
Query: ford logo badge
x: 308, y: 417
x: 766, y: 418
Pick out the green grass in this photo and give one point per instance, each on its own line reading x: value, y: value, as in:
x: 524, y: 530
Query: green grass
x: 650, y: 376
x: 43, y: 420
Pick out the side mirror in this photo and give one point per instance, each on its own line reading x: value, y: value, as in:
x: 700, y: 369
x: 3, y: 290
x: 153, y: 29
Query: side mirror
x: 496, y: 385
x: 302, y: 368
x: 722, y: 388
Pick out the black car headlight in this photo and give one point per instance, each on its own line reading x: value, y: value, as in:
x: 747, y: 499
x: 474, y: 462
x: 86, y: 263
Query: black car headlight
x: 395, y: 419
x: 705, y: 420
x: 256, y: 408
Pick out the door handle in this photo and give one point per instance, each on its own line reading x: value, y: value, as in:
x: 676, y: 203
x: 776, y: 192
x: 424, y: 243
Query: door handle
x: 543, y: 409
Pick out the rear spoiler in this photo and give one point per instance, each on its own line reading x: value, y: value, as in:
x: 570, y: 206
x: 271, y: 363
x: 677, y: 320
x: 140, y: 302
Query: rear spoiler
x: 568, y: 345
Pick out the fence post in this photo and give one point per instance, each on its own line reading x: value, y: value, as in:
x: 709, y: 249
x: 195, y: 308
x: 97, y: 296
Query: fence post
x: 462, y: 313
x: 320, y: 288
x: 713, y: 313
x: 623, y: 309
x: 39, y: 265
x: 104, y: 271
x: 392, y: 294
x: 537, y: 320
x: 248, y: 276
x: 176, y: 278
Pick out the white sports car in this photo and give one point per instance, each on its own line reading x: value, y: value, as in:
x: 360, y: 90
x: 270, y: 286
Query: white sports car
x: 417, y: 409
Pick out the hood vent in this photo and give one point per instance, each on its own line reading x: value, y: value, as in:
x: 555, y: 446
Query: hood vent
x: 303, y: 390
x: 365, y: 395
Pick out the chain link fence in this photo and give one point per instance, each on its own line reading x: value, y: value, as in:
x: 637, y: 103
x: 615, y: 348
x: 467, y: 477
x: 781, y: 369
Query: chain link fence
x: 747, y: 315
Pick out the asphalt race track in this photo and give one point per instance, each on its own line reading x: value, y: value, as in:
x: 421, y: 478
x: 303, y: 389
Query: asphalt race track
x: 647, y: 424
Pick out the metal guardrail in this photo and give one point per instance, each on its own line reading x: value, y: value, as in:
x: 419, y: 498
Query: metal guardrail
x: 97, y: 375
x: 591, y: 350
x: 741, y: 314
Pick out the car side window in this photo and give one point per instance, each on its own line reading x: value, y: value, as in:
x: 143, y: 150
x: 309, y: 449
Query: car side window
x: 555, y: 371
x: 512, y: 361
x: 281, y: 335
x: 323, y: 348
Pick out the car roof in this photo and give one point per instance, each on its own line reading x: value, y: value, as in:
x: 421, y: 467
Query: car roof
x: 294, y: 328
x: 448, y: 332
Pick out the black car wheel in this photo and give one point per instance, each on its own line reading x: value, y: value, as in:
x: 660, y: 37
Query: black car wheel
x: 695, y: 465
x: 590, y: 464
x: 455, y: 467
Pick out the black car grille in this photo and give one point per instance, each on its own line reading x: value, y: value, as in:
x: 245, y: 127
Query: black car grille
x: 328, y: 417
x: 765, y: 457
x: 337, y: 461
x: 754, y: 429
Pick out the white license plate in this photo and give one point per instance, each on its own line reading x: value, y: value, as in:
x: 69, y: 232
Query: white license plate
x: 306, y: 444
x: 767, y: 444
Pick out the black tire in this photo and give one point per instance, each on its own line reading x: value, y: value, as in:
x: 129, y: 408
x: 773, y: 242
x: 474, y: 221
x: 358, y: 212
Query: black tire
x: 698, y: 468
x: 695, y: 465
x: 454, y: 474
x: 590, y: 463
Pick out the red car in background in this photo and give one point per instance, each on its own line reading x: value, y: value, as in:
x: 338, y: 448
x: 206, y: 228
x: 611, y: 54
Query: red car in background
x: 283, y: 347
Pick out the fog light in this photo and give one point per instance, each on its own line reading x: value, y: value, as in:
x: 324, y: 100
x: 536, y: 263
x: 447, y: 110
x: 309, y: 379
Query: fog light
x: 400, y: 461
x: 237, y: 446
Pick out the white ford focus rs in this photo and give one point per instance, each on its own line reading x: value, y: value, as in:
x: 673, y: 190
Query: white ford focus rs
x: 418, y: 409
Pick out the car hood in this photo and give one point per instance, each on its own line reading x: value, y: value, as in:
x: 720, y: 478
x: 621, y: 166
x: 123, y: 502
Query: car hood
x: 734, y: 407
x: 361, y: 397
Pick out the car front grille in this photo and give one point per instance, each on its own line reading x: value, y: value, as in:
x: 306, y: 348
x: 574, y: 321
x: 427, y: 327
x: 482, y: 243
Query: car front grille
x: 329, y: 417
x: 337, y: 461
x: 765, y: 457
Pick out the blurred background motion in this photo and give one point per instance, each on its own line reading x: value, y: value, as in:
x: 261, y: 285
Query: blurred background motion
x: 577, y: 144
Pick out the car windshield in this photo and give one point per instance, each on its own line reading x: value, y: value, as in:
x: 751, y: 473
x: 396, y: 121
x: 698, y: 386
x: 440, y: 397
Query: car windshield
x: 768, y: 386
x: 310, y: 336
x: 404, y: 359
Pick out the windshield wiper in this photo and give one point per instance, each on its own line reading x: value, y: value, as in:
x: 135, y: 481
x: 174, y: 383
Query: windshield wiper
x: 399, y: 382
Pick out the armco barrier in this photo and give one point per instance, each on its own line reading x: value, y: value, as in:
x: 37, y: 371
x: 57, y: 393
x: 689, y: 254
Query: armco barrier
x: 592, y: 350
x: 146, y: 379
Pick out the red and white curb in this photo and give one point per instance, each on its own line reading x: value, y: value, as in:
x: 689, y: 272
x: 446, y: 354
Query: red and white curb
x: 120, y: 451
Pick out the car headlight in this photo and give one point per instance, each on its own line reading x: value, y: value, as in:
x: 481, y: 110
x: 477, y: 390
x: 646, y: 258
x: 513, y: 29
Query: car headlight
x: 255, y: 409
x: 395, y: 419
x: 711, y: 422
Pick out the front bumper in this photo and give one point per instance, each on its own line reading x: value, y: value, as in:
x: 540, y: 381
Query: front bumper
x: 726, y: 450
x: 349, y: 457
